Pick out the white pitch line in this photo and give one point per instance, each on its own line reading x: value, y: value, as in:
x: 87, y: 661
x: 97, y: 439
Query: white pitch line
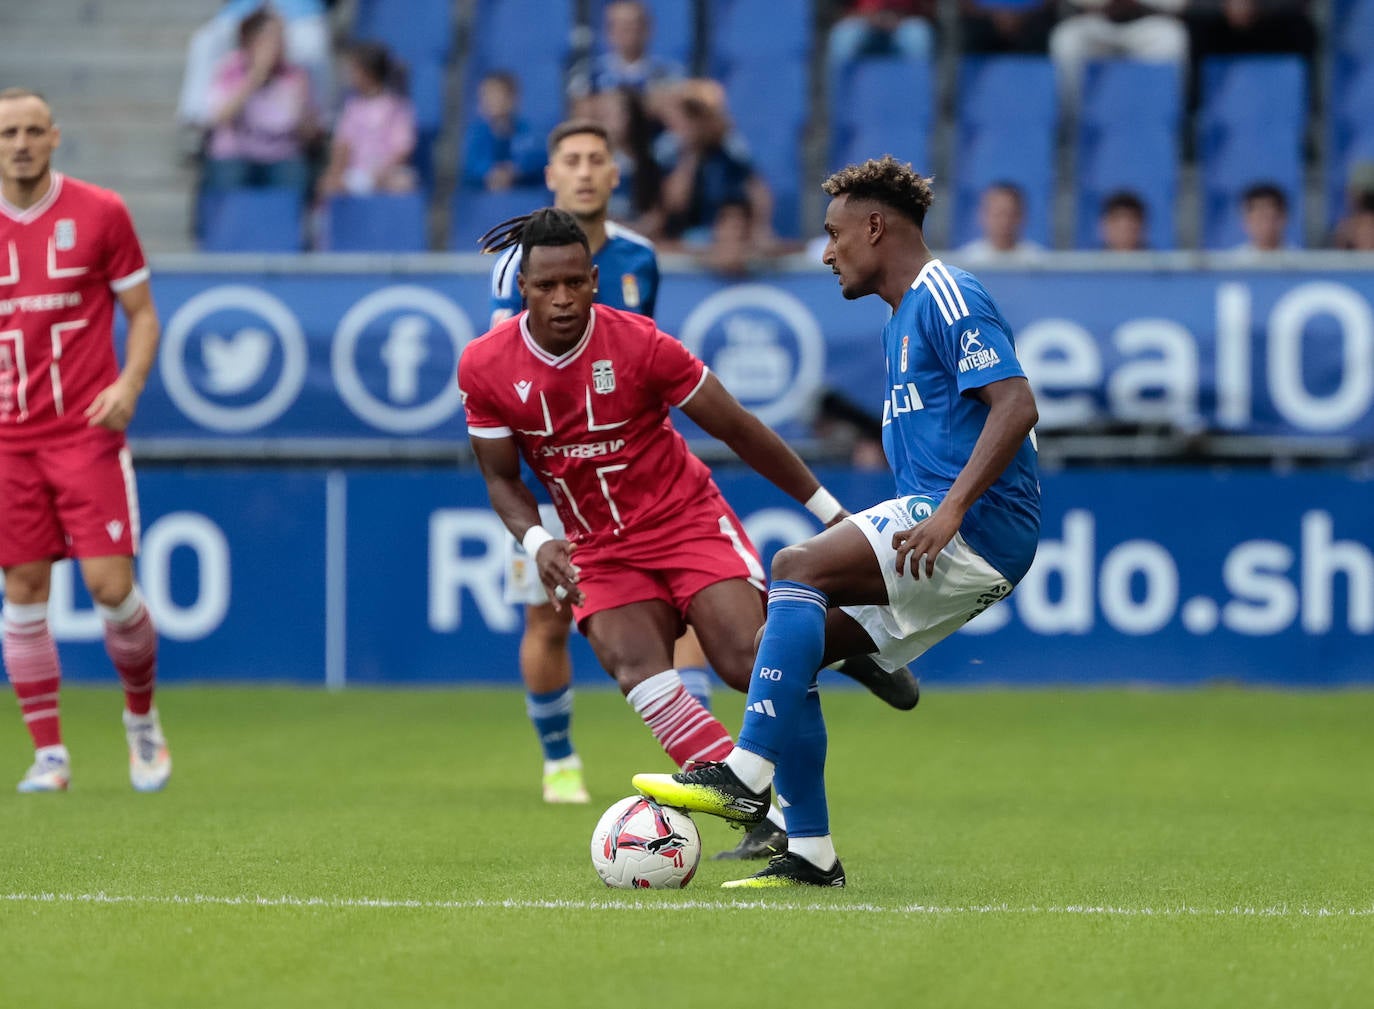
x: 345, y: 903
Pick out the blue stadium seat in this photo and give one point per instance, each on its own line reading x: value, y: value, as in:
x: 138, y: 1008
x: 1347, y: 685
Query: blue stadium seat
x: 1128, y: 139
x: 1352, y: 27
x: 415, y: 31
x: 379, y: 223
x: 251, y: 220
x: 741, y: 31
x: 532, y: 39
x: 885, y: 107
x: 1005, y: 132
x: 1350, y: 128
x: 475, y: 211
x: 674, y: 28
x: 1251, y: 125
x: 773, y: 129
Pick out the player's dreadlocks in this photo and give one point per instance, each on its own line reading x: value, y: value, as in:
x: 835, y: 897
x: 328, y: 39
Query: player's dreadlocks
x: 888, y: 181
x: 547, y: 226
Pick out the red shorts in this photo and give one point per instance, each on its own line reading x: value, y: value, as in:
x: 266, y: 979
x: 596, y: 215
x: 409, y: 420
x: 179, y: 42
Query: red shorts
x: 704, y: 544
x: 75, y: 498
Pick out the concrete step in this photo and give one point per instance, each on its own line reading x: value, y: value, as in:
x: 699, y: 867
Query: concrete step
x: 128, y: 38
x: 78, y: 15
x: 163, y: 220
x: 95, y: 74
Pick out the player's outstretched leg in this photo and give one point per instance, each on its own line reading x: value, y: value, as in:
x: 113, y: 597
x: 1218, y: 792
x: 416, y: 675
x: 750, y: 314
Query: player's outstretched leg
x: 898, y: 687
x: 31, y: 662
x: 707, y: 788
x: 150, y: 762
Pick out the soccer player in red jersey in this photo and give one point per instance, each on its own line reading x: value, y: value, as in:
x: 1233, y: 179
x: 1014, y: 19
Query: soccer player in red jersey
x: 68, y: 252
x: 583, y: 393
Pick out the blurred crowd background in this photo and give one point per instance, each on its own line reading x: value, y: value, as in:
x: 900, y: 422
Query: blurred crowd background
x: 382, y: 125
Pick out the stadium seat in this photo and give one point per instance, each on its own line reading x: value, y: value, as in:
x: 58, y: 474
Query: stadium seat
x: 741, y: 31
x: 674, y: 28
x: 773, y: 129
x: 531, y: 39
x: 1350, y: 129
x: 885, y: 107
x: 415, y: 31
x: 1128, y: 139
x: 379, y: 223
x: 1251, y: 125
x: 1005, y: 131
x: 475, y: 211
x: 251, y: 220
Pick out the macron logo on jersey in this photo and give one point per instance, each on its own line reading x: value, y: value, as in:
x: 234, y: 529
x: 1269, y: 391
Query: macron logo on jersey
x: 976, y: 356
x: 522, y: 389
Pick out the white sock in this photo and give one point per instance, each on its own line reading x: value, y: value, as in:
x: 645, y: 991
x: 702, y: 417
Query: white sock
x: 755, y: 771
x: 819, y: 851
x: 776, y: 819
x: 573, y: 761
x: 52, y: 751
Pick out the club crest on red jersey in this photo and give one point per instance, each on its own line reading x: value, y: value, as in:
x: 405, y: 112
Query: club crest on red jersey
x: 64, y: 235
x: 603, y: 376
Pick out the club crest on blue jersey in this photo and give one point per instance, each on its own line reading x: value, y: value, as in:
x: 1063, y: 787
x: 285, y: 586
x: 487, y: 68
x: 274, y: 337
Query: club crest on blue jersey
x: 906, y: 341
x: 920, y: 506
x: 603, y: 377
x: 629, y: 291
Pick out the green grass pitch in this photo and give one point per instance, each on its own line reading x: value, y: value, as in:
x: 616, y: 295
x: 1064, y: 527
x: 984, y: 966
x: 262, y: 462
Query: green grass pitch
x: 1027, y: 849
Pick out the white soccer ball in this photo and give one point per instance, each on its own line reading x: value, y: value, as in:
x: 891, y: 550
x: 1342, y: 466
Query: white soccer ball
x: 639, y: 844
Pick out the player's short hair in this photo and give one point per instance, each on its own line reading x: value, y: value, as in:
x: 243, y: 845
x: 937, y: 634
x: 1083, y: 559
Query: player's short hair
x: 547, y: 226
x: 10, y: 94
x: 1124, y: 199
x: 1265, y: 191
x: 576, y: 127
x: 887, y: 181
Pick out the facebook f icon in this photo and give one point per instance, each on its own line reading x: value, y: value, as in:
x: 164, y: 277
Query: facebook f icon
x: 403, y: 352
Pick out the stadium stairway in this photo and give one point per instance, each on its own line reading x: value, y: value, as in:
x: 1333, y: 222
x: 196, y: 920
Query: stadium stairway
x: 112, y: 72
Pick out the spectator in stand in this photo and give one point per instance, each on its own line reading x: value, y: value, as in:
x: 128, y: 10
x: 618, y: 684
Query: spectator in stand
x: 1006, y: 26
x: 882, y: 28
x: 307, y: 46
x: 706, y: 166
x: 626, y: 61
x: 1149, y: 30
x: 1001, y: 218
x: 500, y: 150
x: 1122, y: 222
x: 1264, y: 217
x: 1355, y: 230
x: 625, y: 115
x: 1236, y: 27
x: 262, y: 111
x: 375, y: 135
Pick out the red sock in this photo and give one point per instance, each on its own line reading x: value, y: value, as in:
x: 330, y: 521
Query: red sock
x: 31, y: 662
x: 131, y: 642
x: 686, y: 731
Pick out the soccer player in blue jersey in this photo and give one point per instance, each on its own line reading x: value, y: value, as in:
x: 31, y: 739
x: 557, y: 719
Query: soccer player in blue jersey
x: 958, y: 419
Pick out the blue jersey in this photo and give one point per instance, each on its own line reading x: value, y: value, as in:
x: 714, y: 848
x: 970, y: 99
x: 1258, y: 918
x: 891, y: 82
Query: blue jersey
x: 627, y: 277
x: 945, y: 340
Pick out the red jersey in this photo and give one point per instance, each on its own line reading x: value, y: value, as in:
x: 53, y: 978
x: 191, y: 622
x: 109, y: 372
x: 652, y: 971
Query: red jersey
x: 592, y: 423
x: 62, y: 263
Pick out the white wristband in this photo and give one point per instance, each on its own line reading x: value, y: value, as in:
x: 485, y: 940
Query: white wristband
x: 535, y: 537
x: 823, y: 505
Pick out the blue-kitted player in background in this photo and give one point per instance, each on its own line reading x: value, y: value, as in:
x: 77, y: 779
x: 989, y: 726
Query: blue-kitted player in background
x: 891, y: 581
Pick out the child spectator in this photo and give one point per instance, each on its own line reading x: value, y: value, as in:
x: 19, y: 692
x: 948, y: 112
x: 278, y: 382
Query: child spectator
x: 627, y: 62
x: 375, y: 135
x: 262, y: 112
x: 500, y: 149
x: 1264, y: 218
x: 1122, y: 222
x: 1001, y: 218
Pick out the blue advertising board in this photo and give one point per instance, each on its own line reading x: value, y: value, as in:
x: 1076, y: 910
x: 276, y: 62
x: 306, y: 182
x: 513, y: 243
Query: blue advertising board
x: 372, y: 356
x: 395, y: 577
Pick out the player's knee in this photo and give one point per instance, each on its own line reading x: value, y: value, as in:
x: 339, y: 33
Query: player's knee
x: 737, y: 667
x: 547, y: 626
x: 109, y: 590
x: 793, y: 564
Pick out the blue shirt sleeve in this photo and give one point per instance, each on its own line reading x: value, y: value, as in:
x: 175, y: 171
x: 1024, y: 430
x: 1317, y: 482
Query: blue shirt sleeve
x: 979, y: 349
x: 505, y: 293
x: 479, y: 154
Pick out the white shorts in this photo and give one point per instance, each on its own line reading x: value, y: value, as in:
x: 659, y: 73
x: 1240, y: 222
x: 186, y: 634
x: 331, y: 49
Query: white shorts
x: 522, y: 577
x: 921, y: 611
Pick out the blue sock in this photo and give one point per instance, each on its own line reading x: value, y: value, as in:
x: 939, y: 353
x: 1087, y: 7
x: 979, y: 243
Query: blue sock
x: 789, y: 655
x: 800, y: 775
x: 551, y: 715
x: 696, y: 680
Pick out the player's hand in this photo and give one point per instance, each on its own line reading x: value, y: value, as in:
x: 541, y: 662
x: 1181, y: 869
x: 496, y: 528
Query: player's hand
x: 559, y: 574
x: 113, y: 406
x: 923, y: 543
